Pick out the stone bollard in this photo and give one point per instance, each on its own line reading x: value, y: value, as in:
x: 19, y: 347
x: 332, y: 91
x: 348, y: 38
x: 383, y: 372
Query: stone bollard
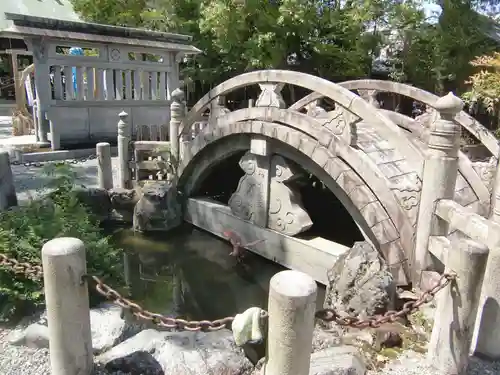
x: 292, y: 304
x: 457, y: 304
x: 104, y: 170
x: 438, y: 179
x: 177, y: 113
x: 67, y: 300
x: 487, y: 330
x: 123, y: 152
x: 8, y: 197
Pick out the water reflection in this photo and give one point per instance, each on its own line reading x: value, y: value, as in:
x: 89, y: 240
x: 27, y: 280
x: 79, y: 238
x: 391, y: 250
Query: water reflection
x: 190, y: 274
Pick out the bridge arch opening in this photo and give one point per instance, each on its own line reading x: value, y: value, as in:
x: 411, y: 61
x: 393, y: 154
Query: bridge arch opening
x: 330, y: 218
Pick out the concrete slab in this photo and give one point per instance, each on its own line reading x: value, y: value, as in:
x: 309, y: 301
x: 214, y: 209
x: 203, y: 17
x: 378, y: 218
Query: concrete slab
x: 313, y: 257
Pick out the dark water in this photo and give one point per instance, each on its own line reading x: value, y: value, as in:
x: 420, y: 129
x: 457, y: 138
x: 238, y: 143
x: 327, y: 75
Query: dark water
x: 189, y: 273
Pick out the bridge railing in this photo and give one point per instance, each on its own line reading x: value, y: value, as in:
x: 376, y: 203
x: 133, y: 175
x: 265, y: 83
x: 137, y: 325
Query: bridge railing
x: 453, y: 236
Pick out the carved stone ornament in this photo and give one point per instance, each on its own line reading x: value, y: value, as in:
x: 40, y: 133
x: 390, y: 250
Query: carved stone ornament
x: 425, y: 120
x: 370, y: 96
x: 407, y: 188
x: 270, y: 95
x: 486, y: 171
x: 286, y: 212
x: 315, y: 110
x: 158, y: 209
x: 343, y: 124
x: 218, y: 108
x: 248, y: 198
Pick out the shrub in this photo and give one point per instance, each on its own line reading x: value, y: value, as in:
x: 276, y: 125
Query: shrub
x: 24, y: 230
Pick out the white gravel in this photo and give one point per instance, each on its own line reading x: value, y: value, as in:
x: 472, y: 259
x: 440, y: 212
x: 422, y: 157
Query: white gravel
x: 31, y: 181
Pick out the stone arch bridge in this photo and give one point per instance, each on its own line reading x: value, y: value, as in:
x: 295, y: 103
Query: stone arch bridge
x: 370, y: 158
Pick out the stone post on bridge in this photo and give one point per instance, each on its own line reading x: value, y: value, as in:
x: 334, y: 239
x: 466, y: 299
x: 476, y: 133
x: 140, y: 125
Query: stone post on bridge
x: 177, y: 112
x: 123, y: 151
x: 487, y: 329
x: 438, y: 179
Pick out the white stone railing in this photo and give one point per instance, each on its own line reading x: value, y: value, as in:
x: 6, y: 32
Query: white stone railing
x: 468, y: 313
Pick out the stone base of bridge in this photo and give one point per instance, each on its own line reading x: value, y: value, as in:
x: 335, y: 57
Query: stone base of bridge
x: 313, y: 257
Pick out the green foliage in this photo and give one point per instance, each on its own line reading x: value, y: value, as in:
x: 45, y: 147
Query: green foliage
x: 484, y: 89
x: 335, y: 39
x: 25, y: 229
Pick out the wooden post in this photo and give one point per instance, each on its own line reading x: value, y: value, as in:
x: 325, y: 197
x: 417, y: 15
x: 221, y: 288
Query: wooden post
x: 177, y: 112
x: 68, y: 313
x: 123, y: 151
x: 104, y: 169
x: 292, y: 304
x: 438, y: 179
x: 487, y: 330
x: 456, y: 307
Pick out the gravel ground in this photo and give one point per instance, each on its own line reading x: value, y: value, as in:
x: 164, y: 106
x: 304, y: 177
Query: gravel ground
x: 31, y: 181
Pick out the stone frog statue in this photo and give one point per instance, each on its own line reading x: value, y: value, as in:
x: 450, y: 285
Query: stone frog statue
x: 158, y: 207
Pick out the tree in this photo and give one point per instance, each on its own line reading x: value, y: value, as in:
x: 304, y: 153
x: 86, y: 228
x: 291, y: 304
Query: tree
x: 485, y: 87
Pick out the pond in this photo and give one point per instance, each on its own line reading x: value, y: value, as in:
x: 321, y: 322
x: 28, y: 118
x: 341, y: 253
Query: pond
x: 189, y: 273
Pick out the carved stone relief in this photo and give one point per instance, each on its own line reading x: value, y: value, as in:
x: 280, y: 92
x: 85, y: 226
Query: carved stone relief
x: 217, y: 108
x: 315, y: 110
x: 270, y: 95
x: 370, y: 96
x: 249, y: 202
x: 425, y: 120
x: 284, y: 212
x: 486, y: 171
x: 343, y: 124
x: 158, y: 208
x: 407, y: 188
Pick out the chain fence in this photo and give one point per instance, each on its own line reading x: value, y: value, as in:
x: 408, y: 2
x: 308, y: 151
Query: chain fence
x: 40, y: 164
x: 326, y: 315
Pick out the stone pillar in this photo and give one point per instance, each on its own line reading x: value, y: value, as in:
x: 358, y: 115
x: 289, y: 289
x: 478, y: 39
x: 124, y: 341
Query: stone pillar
x: 67, y: 300
x: 456, y: 310
x: 495, y: 201
x: 292, y: 304
x: 104, y: 169
x: 487, y: 329
x: 439, y: 178
x: 8, y: 197
x: 177, y: 112
x: 42, y: 88
x: 250, y: 103
x: 123, y: 151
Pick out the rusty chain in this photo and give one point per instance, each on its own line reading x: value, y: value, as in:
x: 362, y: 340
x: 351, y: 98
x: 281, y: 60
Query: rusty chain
x: 158, y: 319
x: 40, y: 164
x: 330, y: 315
x: 26, y: 269
x: 326, y: 315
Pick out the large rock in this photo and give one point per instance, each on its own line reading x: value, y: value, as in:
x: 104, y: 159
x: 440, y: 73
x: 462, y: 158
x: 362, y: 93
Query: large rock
x: 106, y: 322
x: 158, y: 208
x: 360, y: 283
x: 194, y: 353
